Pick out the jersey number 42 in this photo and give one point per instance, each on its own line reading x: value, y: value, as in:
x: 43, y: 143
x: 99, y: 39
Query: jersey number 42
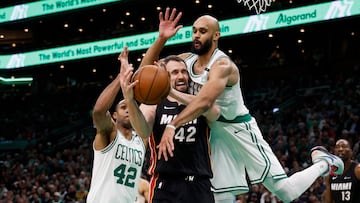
x: 186, y: 135
x: 126, y: 176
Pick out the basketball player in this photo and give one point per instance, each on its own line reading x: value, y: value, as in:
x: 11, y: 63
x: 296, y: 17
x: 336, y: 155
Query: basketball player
x: 118, y: 150
x: 186, y: 176
x: 344, y: 187
x: 237, y: 145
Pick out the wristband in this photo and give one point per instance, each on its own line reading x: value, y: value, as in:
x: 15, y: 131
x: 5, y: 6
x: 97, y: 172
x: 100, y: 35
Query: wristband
x: 171, y: 126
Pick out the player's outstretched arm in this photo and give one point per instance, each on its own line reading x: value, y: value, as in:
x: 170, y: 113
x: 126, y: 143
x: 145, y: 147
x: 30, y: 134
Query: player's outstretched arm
x: 136, y: 117
x: 101, y: 115
x: 211, y: 115
x: 168, y: 27
x: 105, y: 126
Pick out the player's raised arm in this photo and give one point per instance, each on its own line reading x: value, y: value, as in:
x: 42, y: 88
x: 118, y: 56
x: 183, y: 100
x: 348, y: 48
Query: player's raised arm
x: 136, y: 117
x: 168, y: 27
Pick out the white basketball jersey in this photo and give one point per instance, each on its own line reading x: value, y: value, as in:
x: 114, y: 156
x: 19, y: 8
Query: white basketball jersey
x: 116, y: 171
x: 237, y: 145
x: 231, y: 101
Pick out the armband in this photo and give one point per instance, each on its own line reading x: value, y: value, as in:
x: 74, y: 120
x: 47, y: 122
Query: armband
x: 171, y: 126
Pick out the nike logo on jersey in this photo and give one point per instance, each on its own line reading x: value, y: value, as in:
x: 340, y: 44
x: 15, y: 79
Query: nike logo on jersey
x: 236, y: 131
x: 169, y: 107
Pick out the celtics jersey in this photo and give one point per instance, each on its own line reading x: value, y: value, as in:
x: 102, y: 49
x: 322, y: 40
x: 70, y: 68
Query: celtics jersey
x: 116, y: 171
x: 237, y: 145
x: 345, y: 187
x: 231, y: 101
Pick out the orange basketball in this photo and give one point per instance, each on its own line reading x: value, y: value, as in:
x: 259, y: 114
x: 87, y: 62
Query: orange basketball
x: 153, y: 86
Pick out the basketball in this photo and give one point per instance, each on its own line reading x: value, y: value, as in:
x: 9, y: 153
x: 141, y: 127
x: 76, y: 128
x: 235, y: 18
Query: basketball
x: 153, y: 86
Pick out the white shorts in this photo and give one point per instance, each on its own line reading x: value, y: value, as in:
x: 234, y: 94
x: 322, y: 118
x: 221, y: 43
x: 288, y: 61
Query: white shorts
x: 238, y: 149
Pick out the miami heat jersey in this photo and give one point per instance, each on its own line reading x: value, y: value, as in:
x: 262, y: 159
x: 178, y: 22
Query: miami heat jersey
x: 346, y: 187
x: 191, y: 142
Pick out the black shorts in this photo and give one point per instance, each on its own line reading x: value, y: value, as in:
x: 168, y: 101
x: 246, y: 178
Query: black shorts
x: 184, y: 189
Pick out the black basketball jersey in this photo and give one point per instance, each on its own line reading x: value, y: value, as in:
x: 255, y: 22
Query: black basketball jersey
x: 345, y: 187
x: 191, y: 141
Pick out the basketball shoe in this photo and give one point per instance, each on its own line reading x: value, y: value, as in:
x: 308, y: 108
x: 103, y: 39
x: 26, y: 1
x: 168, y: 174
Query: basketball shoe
x: 336, y: 165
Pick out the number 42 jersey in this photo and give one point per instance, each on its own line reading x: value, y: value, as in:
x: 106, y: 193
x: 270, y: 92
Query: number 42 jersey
x: 116, y: 171
x: 191, y: 140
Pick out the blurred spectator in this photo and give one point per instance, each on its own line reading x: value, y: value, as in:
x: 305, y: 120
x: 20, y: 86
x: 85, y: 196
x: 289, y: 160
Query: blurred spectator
x: 81, y: 194
x: 57, y: 198
x: 268, y: 197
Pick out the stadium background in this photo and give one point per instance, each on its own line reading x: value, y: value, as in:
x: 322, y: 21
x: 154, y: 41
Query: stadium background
x: 301, y: 93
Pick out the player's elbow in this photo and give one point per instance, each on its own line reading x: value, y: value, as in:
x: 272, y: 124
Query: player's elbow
x: 205, y: 105
x: 100, y: 113
x: 213, y: 113
x: 97, y: 112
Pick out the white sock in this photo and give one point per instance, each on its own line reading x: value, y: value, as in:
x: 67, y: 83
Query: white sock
x: 290, y: 188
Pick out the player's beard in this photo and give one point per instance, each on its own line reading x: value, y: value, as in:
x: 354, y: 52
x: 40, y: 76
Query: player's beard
x: 126, y: 124
x: 203, y: 49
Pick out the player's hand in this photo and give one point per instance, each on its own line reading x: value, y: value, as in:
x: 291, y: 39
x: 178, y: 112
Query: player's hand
x: 124, y: 59
x: 166, y: 146
x: 168, y: 26
x: 127, y: 87
x: 126, y: 72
